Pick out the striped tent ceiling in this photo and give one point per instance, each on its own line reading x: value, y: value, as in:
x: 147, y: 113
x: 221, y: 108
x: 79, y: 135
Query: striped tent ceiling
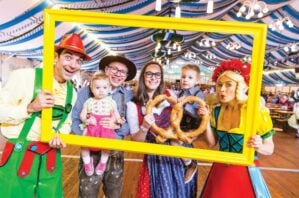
x: 21, y: 32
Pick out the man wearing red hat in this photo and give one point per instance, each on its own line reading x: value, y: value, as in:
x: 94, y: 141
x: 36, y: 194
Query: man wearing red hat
x: 28, y: 167
x: 118, y: 69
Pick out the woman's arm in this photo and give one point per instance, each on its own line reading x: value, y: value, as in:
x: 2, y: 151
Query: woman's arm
x: 138, y: 132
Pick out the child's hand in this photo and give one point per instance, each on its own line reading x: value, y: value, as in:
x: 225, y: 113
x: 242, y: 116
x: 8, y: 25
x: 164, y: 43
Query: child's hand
x: 91, y: 121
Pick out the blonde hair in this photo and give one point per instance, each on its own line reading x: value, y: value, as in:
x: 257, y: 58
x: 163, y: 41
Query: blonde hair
x: 98, y: 76
x: 192, y: 67
x: 241, y: 88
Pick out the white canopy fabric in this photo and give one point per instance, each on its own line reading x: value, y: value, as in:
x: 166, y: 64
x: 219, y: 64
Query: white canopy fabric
x: 21, y: 32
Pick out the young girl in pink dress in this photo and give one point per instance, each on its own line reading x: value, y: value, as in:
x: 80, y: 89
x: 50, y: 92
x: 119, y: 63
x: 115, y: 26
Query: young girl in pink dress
x: 99, y: 106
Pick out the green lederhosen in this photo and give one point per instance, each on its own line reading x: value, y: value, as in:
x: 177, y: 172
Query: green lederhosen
x: 40, y: 180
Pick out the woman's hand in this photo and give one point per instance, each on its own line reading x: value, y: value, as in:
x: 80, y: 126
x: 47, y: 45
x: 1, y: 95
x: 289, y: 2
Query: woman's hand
x: 203, y: 110
x: 57, y: 143
x: 255, y: 142
x: 264, y: 147
x: 148, y: 121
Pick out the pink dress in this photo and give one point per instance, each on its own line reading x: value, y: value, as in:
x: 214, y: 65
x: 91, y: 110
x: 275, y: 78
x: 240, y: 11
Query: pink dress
x: 99, y: 109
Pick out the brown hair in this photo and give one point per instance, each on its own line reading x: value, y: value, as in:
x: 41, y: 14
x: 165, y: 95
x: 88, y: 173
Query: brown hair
x: 141, y: 96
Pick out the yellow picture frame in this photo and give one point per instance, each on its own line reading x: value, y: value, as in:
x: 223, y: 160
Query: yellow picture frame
x: 258, y: 32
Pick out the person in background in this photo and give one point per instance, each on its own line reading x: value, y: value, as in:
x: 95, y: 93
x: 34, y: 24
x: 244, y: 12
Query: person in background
x: 227, y: 125
x: 118, y: 69
x: 293, y: 121
x: 30, y: 168
x: 97, y: 107
x: 160, y: 176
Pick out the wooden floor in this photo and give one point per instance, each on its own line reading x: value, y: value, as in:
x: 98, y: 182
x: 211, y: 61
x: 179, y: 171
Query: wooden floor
x: 280, y: 170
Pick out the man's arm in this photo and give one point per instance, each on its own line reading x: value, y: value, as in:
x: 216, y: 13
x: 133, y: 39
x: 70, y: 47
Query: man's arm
x: 15, y: 97
x: 124, y: 130
x: 83, y: 95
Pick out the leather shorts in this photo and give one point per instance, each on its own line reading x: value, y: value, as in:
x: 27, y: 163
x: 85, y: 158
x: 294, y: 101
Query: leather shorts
x: 112, y: 178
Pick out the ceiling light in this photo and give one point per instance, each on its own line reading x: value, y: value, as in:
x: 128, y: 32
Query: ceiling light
x: 167, y: 42
x: 251, y: 8
x: 233, y: 46
x: 177, y: 12
x: 277, y: 24
x: 158, y: 5
x: 207, y: 43
x: 210, y: 6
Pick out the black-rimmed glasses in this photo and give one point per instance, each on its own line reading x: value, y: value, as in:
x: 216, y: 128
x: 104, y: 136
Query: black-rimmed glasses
x: 149, y: 74
x: 115, y: 70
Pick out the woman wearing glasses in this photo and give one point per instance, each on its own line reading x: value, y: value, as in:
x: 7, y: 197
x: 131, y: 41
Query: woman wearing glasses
x: 160, y: 176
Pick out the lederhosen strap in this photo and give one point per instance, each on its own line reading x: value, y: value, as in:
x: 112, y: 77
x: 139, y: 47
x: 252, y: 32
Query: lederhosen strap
x: 36, y: 147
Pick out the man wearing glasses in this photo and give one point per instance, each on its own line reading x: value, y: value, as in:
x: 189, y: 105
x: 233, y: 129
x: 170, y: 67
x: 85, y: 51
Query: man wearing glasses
x: 118, y: 69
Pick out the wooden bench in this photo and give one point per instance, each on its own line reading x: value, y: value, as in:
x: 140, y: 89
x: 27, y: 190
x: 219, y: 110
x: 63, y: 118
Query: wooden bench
x: 277, y: 129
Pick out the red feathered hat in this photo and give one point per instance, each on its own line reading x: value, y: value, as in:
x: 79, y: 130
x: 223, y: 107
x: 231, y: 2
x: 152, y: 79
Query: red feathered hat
x: 74, y: 43
x: 234, y: 65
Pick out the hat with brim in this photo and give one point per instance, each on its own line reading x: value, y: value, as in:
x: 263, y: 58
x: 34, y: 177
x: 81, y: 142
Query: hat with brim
x: 73, y: 42
x: 130, y: 65
x: 293, y: 122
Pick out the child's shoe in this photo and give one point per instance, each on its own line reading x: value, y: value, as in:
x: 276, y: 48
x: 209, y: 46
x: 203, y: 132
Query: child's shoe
x: 100, y: 169
x: 191, y: 169
x: 89, y: 169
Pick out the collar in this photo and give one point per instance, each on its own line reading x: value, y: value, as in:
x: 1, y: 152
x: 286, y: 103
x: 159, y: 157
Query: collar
x: 120, y: 89
x: 191, y: 91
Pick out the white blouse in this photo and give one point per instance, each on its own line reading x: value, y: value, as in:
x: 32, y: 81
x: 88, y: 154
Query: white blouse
x: 132, y: 114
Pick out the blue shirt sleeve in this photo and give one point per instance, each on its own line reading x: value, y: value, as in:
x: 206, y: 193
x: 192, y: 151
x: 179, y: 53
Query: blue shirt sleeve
x: 83, y: 95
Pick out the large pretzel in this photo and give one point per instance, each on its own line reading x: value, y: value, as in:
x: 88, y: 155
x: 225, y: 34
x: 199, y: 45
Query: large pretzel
x: 174, y: 131
x: 177, y: 116
x: 163, y: 134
